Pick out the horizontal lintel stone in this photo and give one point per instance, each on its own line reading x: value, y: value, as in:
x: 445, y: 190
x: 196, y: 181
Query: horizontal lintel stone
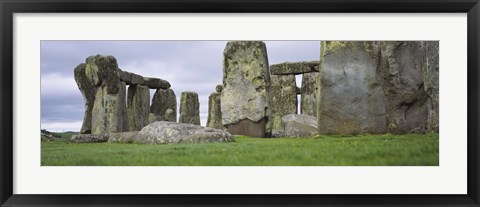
x: 295, y: 68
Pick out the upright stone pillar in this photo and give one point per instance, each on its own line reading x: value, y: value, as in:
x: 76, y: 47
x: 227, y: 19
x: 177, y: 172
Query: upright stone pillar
x: 309, y: 100
x: 214, y: 111
x: 245, y: 100
x: 88, y: 91
x: 284, y: 100
x: 351, y: 99
x: 109, y: 112
x: 430, y: 77
x: 189, y: 108
x: 164, y: 99
x: 403, y: 68
x: 138, y: 107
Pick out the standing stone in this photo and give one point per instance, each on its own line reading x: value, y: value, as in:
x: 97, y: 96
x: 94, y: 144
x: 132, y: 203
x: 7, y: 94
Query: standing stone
x: 284, y: 100
x: 402, y: 73
x: 430, y: 79
x: 245, y: 100
x: 189, y: 108
x: 138, y: 107
x: 109, y: 112
x: 88, y: 91
x: 162, y: 100
x: 214, y: 111
x: 309, y: 100
x: 351, y: 99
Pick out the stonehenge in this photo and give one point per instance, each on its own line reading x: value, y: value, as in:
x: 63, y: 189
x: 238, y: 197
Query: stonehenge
x: 108, y: 108
x: 355, y: 87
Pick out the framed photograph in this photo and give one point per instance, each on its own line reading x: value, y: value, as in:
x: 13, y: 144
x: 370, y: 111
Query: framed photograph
x: 239, y: 103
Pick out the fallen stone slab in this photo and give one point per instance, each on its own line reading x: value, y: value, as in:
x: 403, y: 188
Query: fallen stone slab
x: 88, y: 138
x: 123, y: 137
x: 294, y: 68
x: 299, y: 125
x: 156, y: 83
x: 162, y: 132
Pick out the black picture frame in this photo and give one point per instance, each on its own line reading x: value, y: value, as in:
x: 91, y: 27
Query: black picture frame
x: 9, y: 7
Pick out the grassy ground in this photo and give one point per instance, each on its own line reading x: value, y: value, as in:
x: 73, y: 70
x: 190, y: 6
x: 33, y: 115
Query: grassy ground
x: 378, y: 150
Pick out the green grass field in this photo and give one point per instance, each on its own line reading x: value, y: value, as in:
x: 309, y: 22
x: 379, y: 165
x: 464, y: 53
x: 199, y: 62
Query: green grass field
x: 365, y: 150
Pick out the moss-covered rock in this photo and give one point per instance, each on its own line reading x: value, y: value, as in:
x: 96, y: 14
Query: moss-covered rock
x: 189, y: 108
x: 308, y: 104
x: 214, y: 111
x: 293, y: 68
x: 430, y: 79
x: 156, y: 83
x: 88, y: 90
x: 138, y: 107
x: 131, y: 78
x: 162, y: 100
x: 219, y: 88
x: 103, y: 70
x: 109, y: 113
x: 162, y: 132
x: 246, y: 81
x: 284, y: 99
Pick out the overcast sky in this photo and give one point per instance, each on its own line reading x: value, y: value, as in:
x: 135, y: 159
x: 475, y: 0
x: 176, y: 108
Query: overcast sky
x: 187, y: 65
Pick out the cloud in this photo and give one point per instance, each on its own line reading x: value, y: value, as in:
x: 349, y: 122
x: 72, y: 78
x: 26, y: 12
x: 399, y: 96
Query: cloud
x: 58, y: 85
x: 62, y: 126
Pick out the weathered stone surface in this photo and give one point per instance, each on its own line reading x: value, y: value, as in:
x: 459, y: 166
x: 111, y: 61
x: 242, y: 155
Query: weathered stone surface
x: 131, y: 78
x: 309, y: 100
x: 214, y: 111
x: 403, y: 82
x: 284, y: 99
x: 170, y: 115
x: 123, y: 137
x: 161, y: 132
x: 88, y: 138
x: 88, y: 90
x: 189, y: 108
x: 219, y: 88
x: 138, y: 107
x: 156, y: 83
x: 351, y: 99
x: 162, y: 100
x: 246, y: 81
x: 299, y: 125
x: 430, y: 84
x: 293, y: 68
x: 109, y: 113
x: 103, y: 70
x: 155, y: 117
x: 249, y: 128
